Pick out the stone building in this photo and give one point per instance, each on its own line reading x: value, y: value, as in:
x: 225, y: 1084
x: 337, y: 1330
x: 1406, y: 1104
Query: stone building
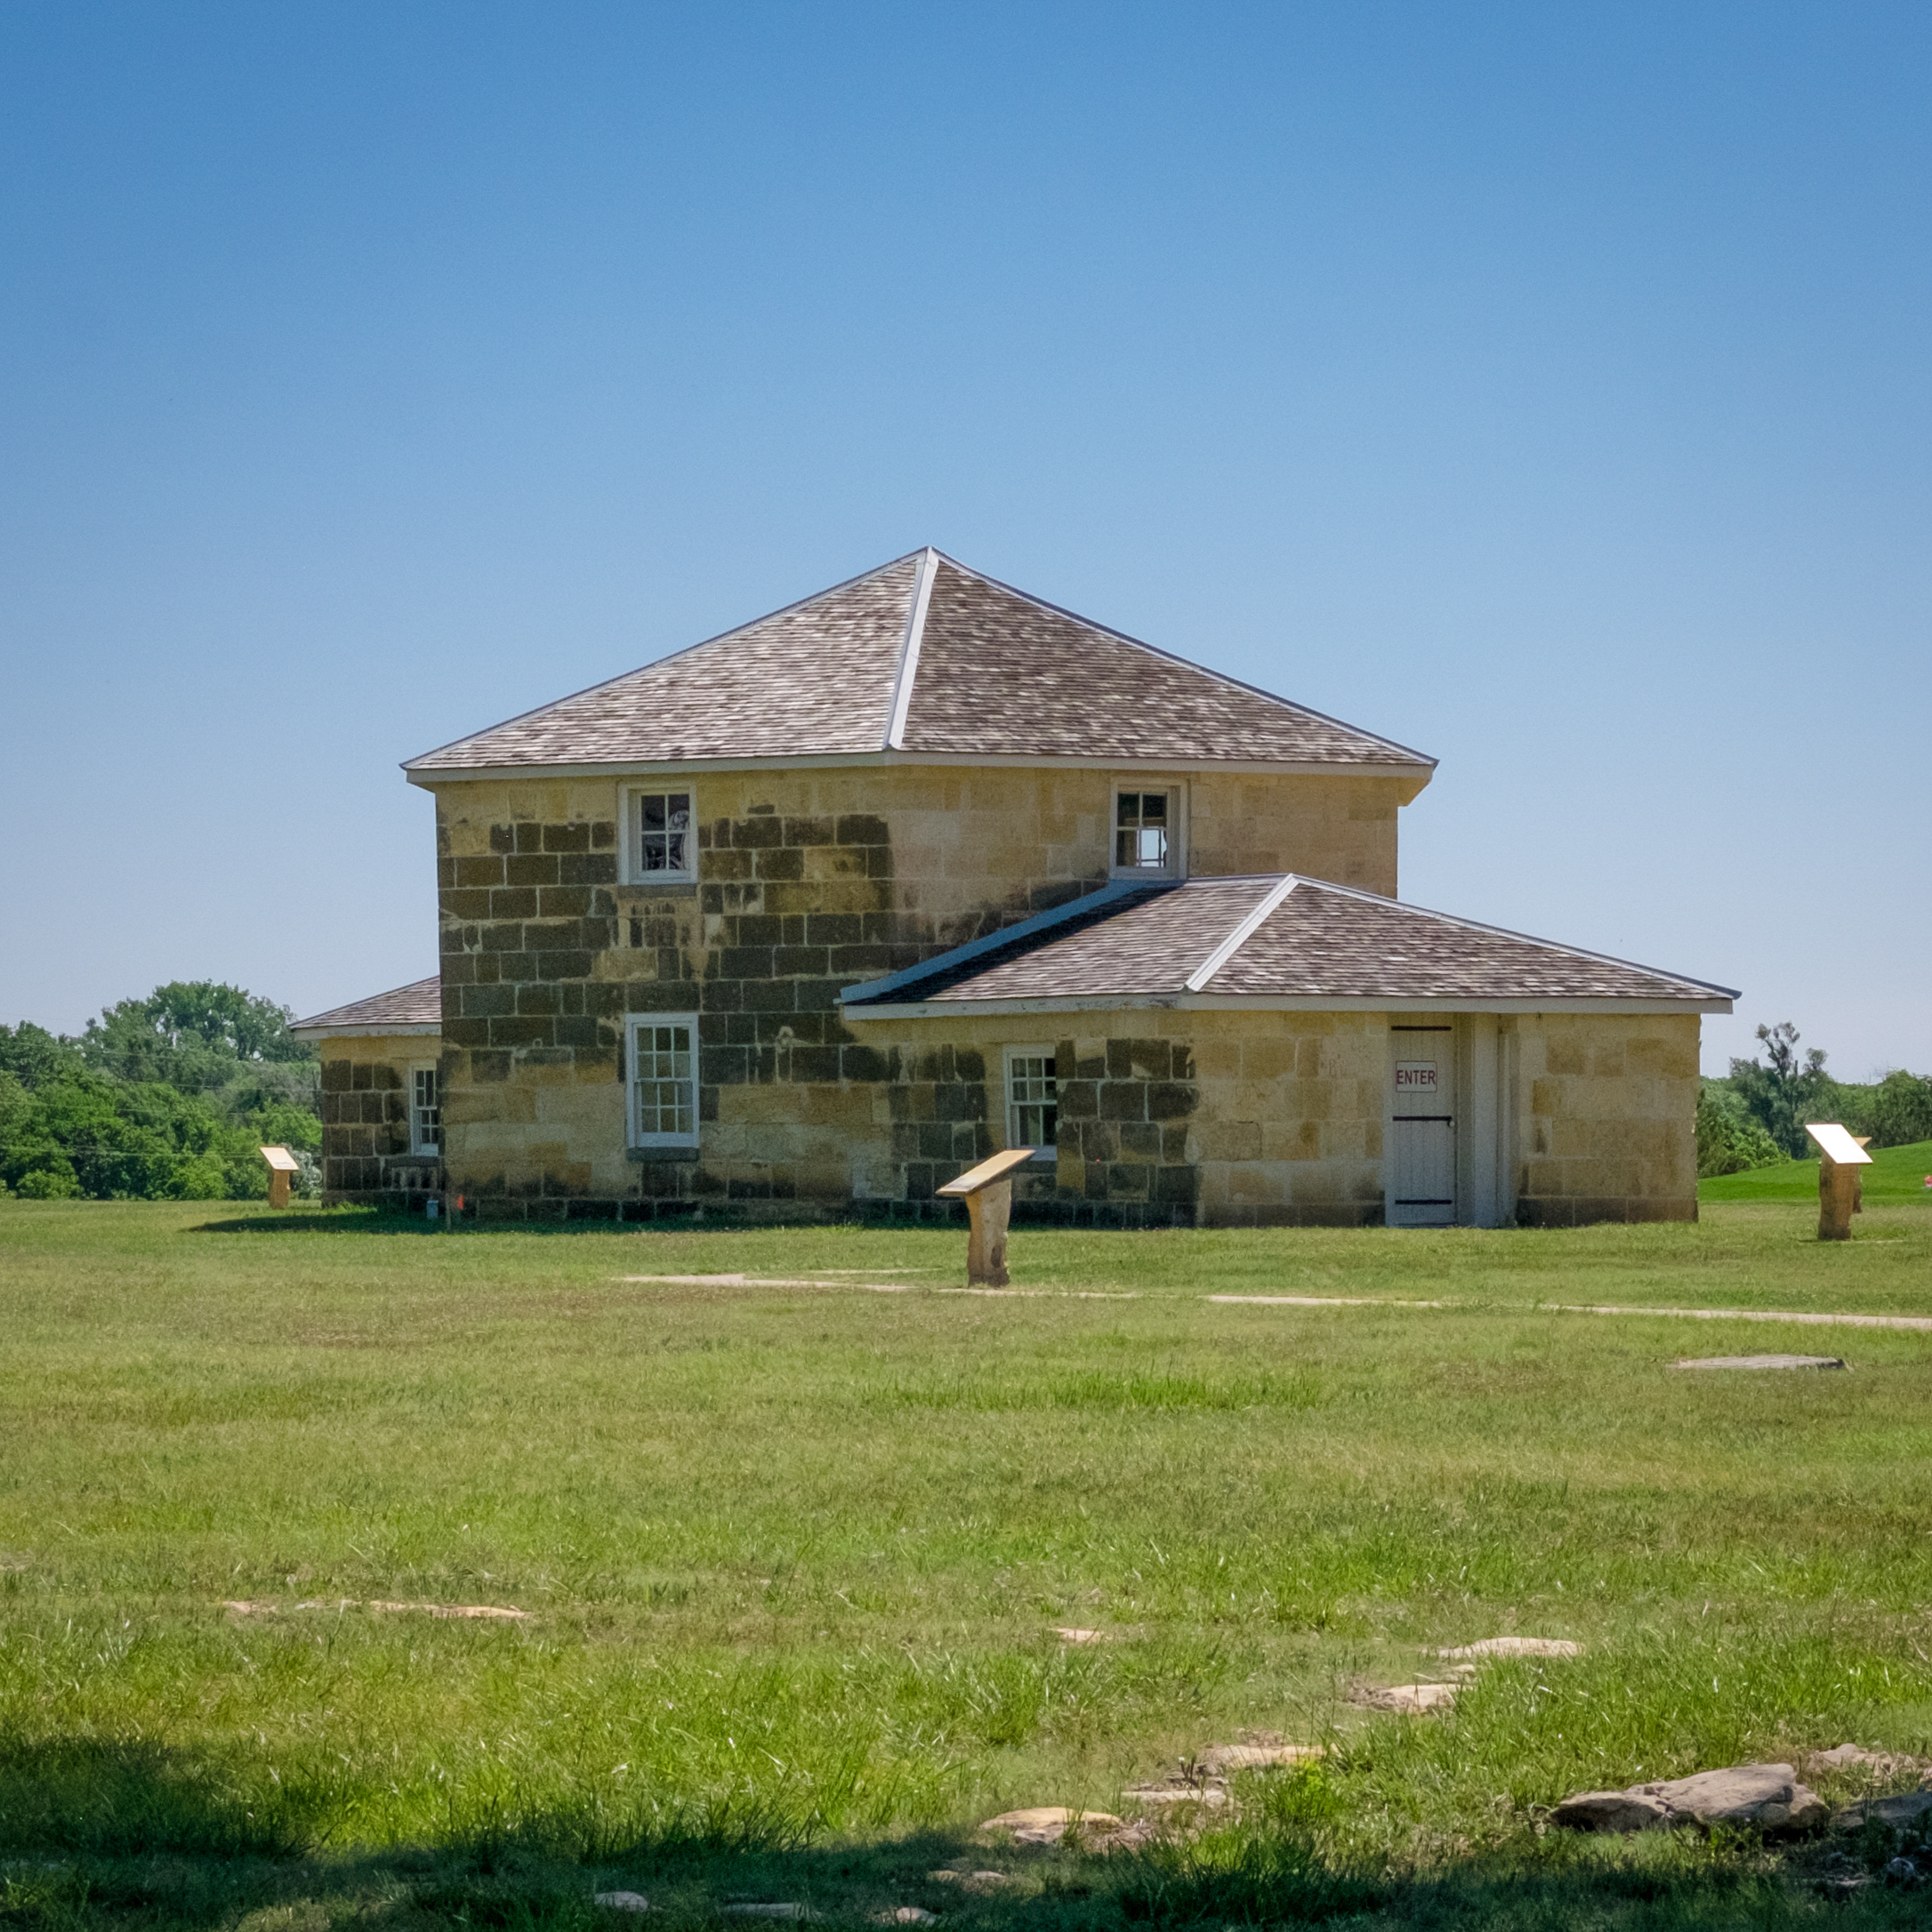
x: 382, y: 1119
x: 812, y: 915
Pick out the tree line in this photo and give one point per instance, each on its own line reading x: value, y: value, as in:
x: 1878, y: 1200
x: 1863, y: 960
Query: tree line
x: 1755, y: 1115
x: 169, y: 1097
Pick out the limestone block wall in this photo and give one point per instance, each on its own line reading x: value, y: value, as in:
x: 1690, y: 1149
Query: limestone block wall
x: 1290, y: 1127
x: 366, y: 1116
x: 808, y: 881
x: 1607, y: 1109
x: 1337, y: 828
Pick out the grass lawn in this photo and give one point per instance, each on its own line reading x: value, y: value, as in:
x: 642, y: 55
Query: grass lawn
x: 1895, y: 1174
x: 794, y: 1556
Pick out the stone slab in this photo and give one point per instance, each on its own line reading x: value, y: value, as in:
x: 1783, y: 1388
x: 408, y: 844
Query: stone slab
x: 1765, y: 1361
x: 1516, y: 1647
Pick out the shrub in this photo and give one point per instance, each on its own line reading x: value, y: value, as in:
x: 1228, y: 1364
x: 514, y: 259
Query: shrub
x: 48, y: 1184
x: 1729, y: 1139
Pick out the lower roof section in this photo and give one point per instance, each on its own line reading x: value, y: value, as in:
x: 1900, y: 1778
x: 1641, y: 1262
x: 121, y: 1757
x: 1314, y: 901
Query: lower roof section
x: 1274, y: 940
x: 414, y: 1009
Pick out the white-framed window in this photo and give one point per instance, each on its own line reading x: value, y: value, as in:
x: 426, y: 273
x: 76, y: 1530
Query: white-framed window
x: 426, y: 1110
x: 1148, y: 834
x: 1033, y: 1104
x: 660, y: 836
x: 661, y: 1060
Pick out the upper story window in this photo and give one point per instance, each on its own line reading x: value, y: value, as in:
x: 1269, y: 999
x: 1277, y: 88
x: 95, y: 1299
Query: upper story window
x: 663, y: 1060
x: 660, y: 839
x: 1031, y: 1099
x: 425, y: 1112
x: 1146, y: 833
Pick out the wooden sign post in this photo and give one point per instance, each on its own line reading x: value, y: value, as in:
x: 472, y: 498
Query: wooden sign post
x: 282, y: 1164
x: 987, y: 1191
x: 1839, y: 1158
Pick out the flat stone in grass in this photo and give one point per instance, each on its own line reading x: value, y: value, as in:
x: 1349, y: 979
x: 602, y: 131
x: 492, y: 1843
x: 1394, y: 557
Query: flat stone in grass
x: 1219, y: 1759
x: 622, y: 1901
x: 1871, y: 1764
x: 1411, y: 1700
x: 1080, y: 1637
x: 1767, y: 1796
x: 1516, y: 1647
x: 1612, y: 1811
x: 1766, y: 1362
x: 1211, y: 1795
x: 1049, y: 1824
x: 1900, y: 1814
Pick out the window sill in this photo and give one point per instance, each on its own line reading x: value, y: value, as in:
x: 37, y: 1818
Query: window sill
x: 660, y: 1154
x: 669, y: 882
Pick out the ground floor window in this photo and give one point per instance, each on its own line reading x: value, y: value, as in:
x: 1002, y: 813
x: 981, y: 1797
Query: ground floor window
x: 425, y: 1112
x: 1032, y: 1097
x: 662, y: 1061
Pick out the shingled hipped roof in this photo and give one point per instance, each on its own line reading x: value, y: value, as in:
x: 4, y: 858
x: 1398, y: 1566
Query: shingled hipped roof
x: 922, y: 657
x: 416, y: 1007
x: 1272, y: 939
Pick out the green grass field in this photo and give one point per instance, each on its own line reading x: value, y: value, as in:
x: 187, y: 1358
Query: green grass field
x: 1897, y: 1174
x: 794, y: 1557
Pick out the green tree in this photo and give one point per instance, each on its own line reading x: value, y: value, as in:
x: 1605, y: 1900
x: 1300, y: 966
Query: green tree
x: 204, y: 1037
x: 1783, y: 1096
x: 33, y: 1056
x: 171, y: 1097
x: 1898, y: 1110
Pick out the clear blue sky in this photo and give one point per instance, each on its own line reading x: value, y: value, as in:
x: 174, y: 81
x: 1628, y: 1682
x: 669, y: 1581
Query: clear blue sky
x: 1546, y: 387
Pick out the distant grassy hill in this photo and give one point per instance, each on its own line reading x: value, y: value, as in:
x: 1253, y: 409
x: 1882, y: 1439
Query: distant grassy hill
x: 1895, y: 1174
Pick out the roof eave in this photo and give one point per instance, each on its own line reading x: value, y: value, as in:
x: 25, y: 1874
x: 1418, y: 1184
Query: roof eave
x: 1264, y: 1003
x: 369, y: 1029
x: 430, y: 775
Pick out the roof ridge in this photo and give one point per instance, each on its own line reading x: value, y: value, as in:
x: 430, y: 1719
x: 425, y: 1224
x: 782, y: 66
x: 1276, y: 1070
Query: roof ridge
x: 915, y: 631
x: 1528, y: 938
x: 1243, y: 931
x: 1188, y: 663
x: 719, y: 637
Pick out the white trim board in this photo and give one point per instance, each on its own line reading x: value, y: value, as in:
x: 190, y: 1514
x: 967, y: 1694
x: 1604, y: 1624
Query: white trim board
x: 915, y: 631
x: 1196, y: 981
x: 421, y: 1030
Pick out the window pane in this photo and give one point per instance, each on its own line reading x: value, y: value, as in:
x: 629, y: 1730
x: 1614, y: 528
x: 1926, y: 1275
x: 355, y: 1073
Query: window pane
x: 667, y: 1088
x: 663, y: 821
x: 1141, y: 837
x: 1032, y: 1096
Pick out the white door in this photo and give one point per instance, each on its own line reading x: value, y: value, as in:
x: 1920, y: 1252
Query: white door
x: 1422, y: 1128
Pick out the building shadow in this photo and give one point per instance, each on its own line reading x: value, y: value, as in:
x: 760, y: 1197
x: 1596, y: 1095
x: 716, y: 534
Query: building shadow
x: 100, y: 1833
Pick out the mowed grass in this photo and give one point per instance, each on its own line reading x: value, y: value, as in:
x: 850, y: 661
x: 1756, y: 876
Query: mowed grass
x: 1897, y: 1174
x: 794, y: 1557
